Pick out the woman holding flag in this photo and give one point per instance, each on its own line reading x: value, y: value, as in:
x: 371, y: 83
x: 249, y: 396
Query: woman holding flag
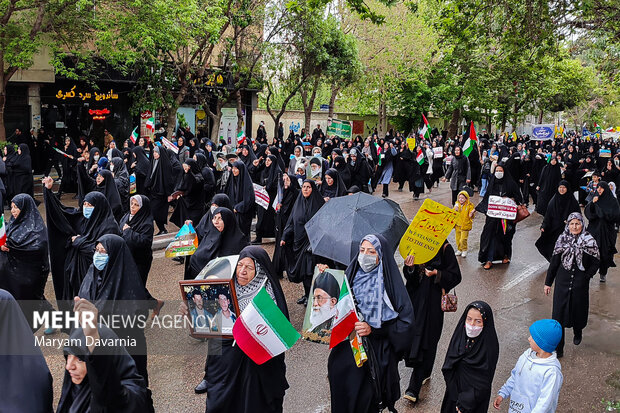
x: 235, y: 382
x: 385, y: 319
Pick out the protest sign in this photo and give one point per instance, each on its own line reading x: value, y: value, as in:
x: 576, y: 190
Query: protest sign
x: 411, y: 143
x: 543, y: 132
x: 261, y: 196
x: 339, y: 128
x: 438, y: 152
x: 501, y: 207
x: 427, y: 232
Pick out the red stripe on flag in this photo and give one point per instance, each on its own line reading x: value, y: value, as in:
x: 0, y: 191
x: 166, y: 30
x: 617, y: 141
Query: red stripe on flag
x: 262, y: 196
x: 251, y: 347
x: 342, y: 330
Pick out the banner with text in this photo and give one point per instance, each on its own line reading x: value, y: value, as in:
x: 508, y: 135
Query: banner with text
x: 340, y: 128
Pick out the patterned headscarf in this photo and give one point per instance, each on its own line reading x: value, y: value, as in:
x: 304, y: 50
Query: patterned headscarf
x: 246, y: 293
x: 369, y: 290
x: 572, y: 246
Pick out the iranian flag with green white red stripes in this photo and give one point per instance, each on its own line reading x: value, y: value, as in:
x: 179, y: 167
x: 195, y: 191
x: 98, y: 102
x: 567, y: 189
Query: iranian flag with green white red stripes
x: 262, y: 331
x: 2, y: 230
x: 346, y: 317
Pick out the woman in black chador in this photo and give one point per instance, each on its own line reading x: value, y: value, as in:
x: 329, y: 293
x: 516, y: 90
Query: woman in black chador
x: 470, y: 361
x: 240, y: 191
x: 24, y: 261
x: 25, y: 379
x: 308, y: 202
x: 561, y: 206
x: 289, y: 187
x: 496, y: 237
x: 386, y: 326
x: 574, y: 262
x: 234, y: 382
x: 550, y: 177
x: 100, y: 379
x: 269, y: 177
x: 21, y: 171
x: 603, y: 215
x: 72, y: 235
x: 426, y: 284
x: 160, y: 185
x: 191, y: 205
x: 141, y: 167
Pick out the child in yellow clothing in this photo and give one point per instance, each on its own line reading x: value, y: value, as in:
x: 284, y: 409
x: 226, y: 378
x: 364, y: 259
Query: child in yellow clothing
x: 464, y: 222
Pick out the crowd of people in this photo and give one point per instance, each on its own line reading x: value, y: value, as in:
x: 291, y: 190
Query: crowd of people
x: 100, y: 252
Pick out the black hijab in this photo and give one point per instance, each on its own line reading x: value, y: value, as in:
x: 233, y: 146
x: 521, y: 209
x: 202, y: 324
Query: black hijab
x: 160, y: 180
x: 289, y: 195
x: 27, y: 232
x: 24, y: 160
x: 607, y: 204
x: 91, y: 159
x: 142, y: 221
x: 119, y: 382
x: 109, y: 189
x: 117, y: 165
x: 143, y: 166
x: 205, y: 224
x: 250, y: 158
x: 304, y: 209
x: 240, y: 189
x: 25, y: 379
x: 270, y: 175
x: 118, y: 288
x: 561, y: 206
x: 101, y: 221
x: 337, y: 188
x: 343, y: 169
x: 474, y: 359
x: 216, y: 244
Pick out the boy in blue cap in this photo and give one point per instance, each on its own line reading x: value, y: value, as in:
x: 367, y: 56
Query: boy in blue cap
x: 535, y: 382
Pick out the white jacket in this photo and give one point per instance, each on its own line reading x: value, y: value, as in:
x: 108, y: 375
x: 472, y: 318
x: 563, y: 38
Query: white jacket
x: 534, y: 384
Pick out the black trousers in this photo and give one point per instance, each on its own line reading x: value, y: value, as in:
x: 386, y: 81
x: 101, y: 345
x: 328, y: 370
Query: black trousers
x: 576, y: 332
x: 386, y: 189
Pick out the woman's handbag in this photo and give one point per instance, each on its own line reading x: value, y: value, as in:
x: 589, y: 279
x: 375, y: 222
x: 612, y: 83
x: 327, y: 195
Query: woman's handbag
x: 522, y: 213
x: 449, y: 302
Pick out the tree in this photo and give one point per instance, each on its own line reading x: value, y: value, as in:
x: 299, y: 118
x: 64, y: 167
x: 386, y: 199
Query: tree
x: 26, y: 26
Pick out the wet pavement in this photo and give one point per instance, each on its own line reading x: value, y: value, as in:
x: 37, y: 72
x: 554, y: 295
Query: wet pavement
x: 514, y: 291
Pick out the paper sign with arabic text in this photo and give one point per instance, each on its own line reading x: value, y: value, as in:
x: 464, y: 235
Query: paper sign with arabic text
x: 427, y: 232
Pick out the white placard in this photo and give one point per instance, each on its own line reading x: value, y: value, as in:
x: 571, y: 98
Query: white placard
x: 261, y: 196
x: 501, y: 207
x: 438, y: 152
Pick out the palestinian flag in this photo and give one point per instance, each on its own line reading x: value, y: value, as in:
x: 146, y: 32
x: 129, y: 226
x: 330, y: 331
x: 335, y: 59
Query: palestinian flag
x: 420, y: 156
x: 425, y: 133
x: 471, y: 139
x: 134, y: 135
x: 610, y: 129
x: 2, y: 230
x: 262, y: 331
x: 150, y: 124
x: 346, y: 317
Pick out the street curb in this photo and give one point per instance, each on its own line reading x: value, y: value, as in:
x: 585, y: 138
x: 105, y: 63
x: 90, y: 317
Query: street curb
x: 160, y: 242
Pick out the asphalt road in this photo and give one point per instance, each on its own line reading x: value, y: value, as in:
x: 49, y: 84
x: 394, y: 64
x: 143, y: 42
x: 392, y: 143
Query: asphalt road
x: 515, y: 292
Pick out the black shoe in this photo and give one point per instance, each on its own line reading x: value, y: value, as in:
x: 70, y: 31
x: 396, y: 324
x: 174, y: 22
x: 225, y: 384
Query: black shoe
x: 577, y: 339
x: 410, y: 396
x: 303, y: 300
x: 603, y: 278
x: 201, y: 388
x: 383, y: 196
x: 162, y: 232
x: 256, y: 241
x: 180, y: 260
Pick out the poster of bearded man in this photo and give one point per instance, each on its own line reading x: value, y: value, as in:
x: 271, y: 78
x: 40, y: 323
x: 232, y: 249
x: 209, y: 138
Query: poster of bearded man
x: 321, y: 311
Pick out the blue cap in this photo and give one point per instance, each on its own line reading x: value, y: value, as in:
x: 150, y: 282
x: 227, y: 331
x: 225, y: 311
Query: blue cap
x: 546, y: 334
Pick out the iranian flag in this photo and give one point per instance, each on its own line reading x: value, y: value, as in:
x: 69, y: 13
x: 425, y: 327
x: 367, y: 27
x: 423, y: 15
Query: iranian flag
x: 2, y: 231
x: 346, y: 317
x: 134, y: 135
x: 471, y: 139
x: 241, y: 138
x: 425, y: 133
x: 420, y: 156
x: 610, y: 129
x: 150, y: 124
x: 262, y: 331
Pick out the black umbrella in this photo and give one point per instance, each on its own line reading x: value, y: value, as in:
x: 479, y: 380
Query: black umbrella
x: 337, y: 228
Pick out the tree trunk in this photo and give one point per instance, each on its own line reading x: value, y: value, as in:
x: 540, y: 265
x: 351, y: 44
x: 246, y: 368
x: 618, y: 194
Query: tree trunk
x: 540, y: 118
x: 171, y: 122
x: 240, y: 125
x: 504, y: 120
x: 382, y: 127
x: 308, y: 102
x: 2, y: 103
x: 489, y: 123
x: 215, y: 127
x: 453, y: 127
x: 332, y: 100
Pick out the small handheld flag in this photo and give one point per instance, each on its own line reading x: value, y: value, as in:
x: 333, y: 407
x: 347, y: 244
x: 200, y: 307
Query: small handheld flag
x: 134, y: 135
x: 2, y: 231
x: 471, y: 139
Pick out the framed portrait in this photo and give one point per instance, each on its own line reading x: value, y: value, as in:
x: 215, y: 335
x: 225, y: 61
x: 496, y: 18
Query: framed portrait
x: 212, y: 306
x: 322, y: 305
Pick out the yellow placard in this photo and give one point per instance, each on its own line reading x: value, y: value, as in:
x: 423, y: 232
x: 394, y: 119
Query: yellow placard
x: 427, y: 232
x: 411, y: 143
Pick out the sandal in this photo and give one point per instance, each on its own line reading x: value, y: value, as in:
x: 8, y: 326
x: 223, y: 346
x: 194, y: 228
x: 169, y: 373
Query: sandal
x: 488, y: 265
x: 506, y: 260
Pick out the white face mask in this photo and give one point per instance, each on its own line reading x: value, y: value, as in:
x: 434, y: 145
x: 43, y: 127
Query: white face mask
x: 367, y: 262
x: 499, y: 175
x: 213, y: 208
x: 473, y: 331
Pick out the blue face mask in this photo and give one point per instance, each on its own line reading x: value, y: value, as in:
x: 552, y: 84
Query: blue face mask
x: 87, y: 211
x: 100, y: 260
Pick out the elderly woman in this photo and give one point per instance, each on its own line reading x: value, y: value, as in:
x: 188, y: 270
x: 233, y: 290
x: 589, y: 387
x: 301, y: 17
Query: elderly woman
x: 385, y: 328
x: 234, y: 382
x: 470, y: 361
x: 574, y: 262
x: 603, y: 214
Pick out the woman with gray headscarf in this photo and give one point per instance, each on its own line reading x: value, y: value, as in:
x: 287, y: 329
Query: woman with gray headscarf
x: 385, y: 326
x: 574, y: 262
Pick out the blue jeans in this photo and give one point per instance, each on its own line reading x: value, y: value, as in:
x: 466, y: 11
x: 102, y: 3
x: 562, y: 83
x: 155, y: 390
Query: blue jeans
x: 483, y: 189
